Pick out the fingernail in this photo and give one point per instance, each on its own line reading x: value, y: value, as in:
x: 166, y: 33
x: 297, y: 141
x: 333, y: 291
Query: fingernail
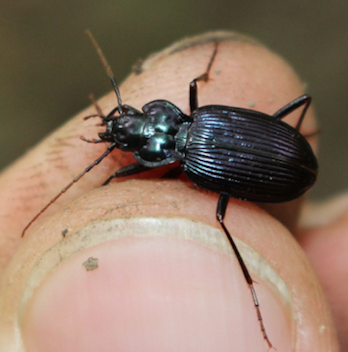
x: 152, y: 284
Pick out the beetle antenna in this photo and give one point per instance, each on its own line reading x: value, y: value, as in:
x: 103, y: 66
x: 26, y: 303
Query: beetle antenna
x: 111, y: 147
x: 107, y: 69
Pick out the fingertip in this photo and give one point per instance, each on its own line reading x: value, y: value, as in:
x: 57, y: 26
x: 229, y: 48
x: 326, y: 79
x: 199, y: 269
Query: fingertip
x: 170, y: 288
x: 149, y: 235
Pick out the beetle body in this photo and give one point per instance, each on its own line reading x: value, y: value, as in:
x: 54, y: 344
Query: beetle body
x: 238, y: 152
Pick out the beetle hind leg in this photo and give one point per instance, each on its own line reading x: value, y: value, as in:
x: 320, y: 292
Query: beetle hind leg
x: 220, y: 214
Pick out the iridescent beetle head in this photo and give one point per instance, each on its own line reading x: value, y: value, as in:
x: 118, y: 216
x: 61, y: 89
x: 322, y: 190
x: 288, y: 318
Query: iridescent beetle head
x: 125, y: 129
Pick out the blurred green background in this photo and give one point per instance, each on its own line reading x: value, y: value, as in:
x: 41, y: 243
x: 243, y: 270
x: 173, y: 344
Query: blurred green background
x: 48, y: 67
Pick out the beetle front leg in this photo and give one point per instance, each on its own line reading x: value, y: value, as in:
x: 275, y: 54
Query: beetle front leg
x: 220, y: 214
x: 129, y: 170
x: 204, y: 77
x: 94, y: 141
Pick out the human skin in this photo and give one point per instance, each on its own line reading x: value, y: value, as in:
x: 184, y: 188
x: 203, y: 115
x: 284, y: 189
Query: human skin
x: 180, y: 291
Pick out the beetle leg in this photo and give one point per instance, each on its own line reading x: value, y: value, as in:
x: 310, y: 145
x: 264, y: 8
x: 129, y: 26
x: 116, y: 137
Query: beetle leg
x: 129, y: 170
x: 111, y: 113
x: 93, y: 115
x: 91, y: 140
x: 220, y: 214
x: 295, y: 104
x: 204, y: 77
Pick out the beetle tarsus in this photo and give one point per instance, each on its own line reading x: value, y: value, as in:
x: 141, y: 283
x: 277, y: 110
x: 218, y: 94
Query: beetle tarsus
x: 93, y: 115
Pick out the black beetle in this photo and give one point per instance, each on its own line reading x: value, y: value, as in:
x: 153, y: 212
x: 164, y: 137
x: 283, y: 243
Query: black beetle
x: 232, y: 151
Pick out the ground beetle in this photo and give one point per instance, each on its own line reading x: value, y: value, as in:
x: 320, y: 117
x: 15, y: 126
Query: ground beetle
x: 235, y: 152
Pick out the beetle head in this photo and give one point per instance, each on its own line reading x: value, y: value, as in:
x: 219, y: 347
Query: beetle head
x: 126, y: 129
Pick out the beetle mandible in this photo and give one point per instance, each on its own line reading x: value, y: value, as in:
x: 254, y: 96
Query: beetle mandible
x: 232, y: 151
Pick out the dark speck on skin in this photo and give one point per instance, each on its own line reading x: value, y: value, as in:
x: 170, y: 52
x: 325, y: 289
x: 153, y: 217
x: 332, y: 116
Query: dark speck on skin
x: 90, y: 264
x: 137, y: 68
